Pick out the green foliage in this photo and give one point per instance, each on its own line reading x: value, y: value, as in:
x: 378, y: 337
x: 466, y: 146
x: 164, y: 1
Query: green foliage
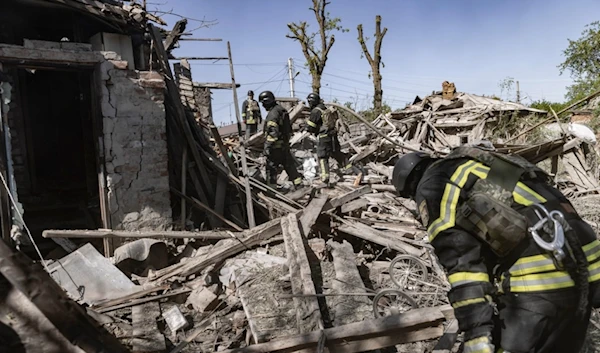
x: 582, y: 88
x: 582, y: 60
x: 370, y: 114
x: 546, y: 105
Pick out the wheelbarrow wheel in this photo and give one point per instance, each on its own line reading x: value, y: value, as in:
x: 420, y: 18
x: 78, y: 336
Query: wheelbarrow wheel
x: 392, y: 301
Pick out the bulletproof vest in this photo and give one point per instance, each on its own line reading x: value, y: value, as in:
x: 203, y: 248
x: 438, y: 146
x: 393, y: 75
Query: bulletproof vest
x: 486, y: 211
x: 251, y: 108
x: 508, y: 167
x: 329, y: 117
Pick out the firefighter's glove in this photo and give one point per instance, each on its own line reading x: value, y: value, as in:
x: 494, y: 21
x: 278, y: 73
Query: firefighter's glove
x: 481, y: 344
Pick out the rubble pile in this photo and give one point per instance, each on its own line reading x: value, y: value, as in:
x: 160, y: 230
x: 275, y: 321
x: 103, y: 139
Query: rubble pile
x: 348, y: 259
x: 347, y: 267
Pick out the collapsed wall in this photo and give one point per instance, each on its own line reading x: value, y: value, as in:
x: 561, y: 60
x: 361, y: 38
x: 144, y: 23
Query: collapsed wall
x: 135, y: 147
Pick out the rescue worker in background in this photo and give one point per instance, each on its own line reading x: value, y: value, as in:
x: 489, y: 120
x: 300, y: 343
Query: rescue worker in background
x: 322, y: 123
x: 277, y: 141
x: 251, y: 114
x: 510, y: 289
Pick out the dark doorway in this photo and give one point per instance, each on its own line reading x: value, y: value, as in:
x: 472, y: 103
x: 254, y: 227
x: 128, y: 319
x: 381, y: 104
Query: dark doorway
x: 60, y: 153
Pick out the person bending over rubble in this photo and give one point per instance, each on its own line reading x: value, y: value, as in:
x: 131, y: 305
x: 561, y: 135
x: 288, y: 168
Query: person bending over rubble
x: 322, y: 123
x: 277, y: 143
x: 523, y: 266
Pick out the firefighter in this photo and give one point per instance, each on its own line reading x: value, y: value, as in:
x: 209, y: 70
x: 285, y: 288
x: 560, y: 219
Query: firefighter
x: 277, y: 143
x: 322, y: 123
x: 251, y: 115
x: 523, y: 266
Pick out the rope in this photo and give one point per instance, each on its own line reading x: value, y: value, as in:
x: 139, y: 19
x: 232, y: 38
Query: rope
x: 14, y: 204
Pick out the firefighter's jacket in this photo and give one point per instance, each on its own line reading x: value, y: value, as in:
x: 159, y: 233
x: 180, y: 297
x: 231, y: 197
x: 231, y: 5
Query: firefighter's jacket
x: 251, y: 112
x: 315, y: 122
x: 277, y: 128
x: 475, y: 273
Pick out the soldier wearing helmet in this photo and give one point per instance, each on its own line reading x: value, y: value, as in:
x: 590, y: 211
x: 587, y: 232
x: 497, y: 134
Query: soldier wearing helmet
x: 523, y: 267
x: 277, y: 141
x: 322, y: 123
x: 251, y: 114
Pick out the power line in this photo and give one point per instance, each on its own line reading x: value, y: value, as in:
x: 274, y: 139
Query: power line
x: 248, y: 64
x: 356, y: 91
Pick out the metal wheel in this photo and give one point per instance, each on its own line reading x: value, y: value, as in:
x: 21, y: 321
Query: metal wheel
x: 406, y: 271
x: 392, y: 301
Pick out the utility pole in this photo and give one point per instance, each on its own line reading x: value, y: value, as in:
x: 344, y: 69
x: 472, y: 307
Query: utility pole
x: 518, y: 93
x: 291, y: 76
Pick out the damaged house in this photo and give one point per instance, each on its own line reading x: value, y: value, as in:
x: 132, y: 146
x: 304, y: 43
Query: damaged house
x: 84, y: 140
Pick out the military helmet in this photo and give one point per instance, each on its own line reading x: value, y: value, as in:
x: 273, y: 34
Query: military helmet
x: 251, y: 93
x: 407, y: 168
x: 267, y: 99
x: 313, y: 99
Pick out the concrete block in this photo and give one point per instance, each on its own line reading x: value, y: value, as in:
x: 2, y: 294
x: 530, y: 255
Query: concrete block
x: 150, y: 75
x: 175, y: 319
x: 40, y: 44
x: 119, y: 64
x: 72, y: 46
x: 159, y: 84
x: 111, y: 55
x: 202, y: 299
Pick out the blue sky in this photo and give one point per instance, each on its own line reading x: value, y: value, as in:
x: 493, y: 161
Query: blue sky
x: 473, y: 43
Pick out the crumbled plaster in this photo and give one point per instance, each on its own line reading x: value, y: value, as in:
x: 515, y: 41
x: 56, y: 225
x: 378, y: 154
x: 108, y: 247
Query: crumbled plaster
x: 136, y: 156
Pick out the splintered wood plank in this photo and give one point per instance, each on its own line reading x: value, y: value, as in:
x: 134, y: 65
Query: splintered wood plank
x: 308, y: 314
x: 311, y: 213
x: 354, y: 194
x: 147, y: 336
x: 415, y: 325
x: 349, y: 309
x: 354, y: 205
x: 365, y: 232
x: 576, y: 171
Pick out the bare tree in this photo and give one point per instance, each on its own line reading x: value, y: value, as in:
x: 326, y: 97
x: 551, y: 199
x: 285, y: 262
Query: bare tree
x: 316, y: 56
x: 374, y: 61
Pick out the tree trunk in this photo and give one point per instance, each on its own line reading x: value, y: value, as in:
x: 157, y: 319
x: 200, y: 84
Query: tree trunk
x: 374, y: 62
x: 378, y: 94
x: 316, y: 83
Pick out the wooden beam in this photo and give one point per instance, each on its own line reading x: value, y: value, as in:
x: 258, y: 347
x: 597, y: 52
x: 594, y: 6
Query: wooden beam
x: 248, y: 239
x: 200, y: 58
x: 311, y: 213
x: 107, y: 233
x: 143, y: 300
x: 215, y: 85
x: 367, y: 233
x: 249, y: 203
x: 175, y: 35
x: 202, y: 39
x: 19, y: 54
x: 308, y: 314
x: 350, y: 309
x: 412, y: 326
x: 347, y: 197
x: 180, y: 116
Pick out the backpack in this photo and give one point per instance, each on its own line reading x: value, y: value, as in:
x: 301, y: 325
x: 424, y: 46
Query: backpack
x: 329, y: 116
x: 252, y: 106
